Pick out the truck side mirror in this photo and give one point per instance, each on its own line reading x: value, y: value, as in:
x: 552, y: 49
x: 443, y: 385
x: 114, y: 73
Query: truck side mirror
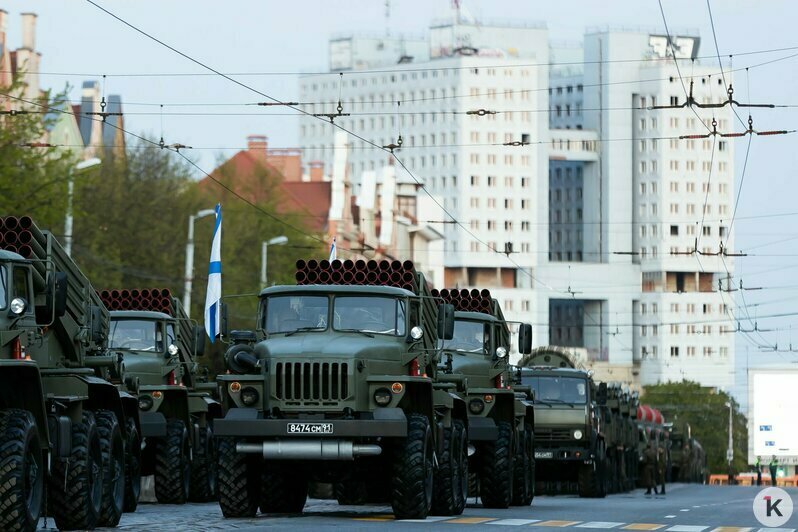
x: 60, y: 294
x: 525, y: 339
x: 199, y: 341
x: 601, y: 396
x: 445, y: 321
x: 224, y: 326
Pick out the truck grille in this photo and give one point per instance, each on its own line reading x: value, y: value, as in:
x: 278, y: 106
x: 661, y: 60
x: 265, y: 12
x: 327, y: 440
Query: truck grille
x: 549, y: 436
x: 311, y: 381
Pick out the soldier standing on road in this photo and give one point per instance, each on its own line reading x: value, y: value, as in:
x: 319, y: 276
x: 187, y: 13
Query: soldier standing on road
x: 774, y: 466
x: 661, y: 462
x: 649, y: 467
x: 758, y: 471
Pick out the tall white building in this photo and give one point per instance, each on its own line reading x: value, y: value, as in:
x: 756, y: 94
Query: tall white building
x: 594, y: 201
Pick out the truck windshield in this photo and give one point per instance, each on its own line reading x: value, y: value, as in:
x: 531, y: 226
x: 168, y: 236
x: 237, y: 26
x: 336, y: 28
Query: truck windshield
x: 136, y: 335
x: 379, y: 315
x: 285, y: 314
x: 3, y: 285
x: 556, y: 389
x: 469, y: 337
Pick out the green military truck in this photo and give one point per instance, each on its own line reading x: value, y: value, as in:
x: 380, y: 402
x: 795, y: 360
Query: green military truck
x: 687, y: 456
x: 65, y: 433
x: 337, y: 385
x: 500, y: 418
x: 570, y: 442
x: 160, y: 346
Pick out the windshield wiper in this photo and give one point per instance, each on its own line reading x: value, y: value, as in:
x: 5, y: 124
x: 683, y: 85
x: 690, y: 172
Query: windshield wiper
x: 556, y: 401
x: 365, y: 333
x: 316, y: 328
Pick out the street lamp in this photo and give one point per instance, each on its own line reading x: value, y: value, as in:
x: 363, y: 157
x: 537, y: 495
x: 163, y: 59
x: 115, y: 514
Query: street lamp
x: 189, y: 274
x: 276, y: 241
x: 730, y: 450
x: 81, y: 167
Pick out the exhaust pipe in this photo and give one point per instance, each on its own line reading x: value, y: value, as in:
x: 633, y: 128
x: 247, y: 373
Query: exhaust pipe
x: 309, y: 449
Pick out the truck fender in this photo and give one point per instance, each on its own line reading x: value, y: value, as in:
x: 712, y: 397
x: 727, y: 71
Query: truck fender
x: 21, y: 387
x: 104, y: 396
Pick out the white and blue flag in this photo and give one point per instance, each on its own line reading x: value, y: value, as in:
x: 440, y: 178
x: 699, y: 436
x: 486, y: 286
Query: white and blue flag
x: 213, y: 298
x: 333, y: 254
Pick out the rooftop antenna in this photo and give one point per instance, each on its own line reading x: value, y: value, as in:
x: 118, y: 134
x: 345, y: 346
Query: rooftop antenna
x: 456, y: 7
x: 387, y: 18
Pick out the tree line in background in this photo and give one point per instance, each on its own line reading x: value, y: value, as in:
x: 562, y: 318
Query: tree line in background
x: 131, y: 218
x: 705, y: 410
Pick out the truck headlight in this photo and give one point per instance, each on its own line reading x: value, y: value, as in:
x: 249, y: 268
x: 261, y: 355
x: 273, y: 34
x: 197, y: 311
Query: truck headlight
x: 17, y: 306
x: 249, y: 396
x: 577, y: 434
x: 382, y: 396
x: 145, y: 402
x: 476, y: 406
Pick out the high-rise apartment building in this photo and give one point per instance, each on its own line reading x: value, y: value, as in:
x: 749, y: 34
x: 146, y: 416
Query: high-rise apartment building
x: 565, y: 166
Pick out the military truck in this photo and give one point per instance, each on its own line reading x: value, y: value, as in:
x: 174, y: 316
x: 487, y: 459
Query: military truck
x: 570, y: 442
x: 500, y: 418
x: 65, y: 433
x: 160, y: 347
x: 621, y: 437
x: 337, y: 384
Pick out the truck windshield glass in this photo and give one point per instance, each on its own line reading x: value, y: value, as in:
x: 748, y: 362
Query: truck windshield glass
x: 3, y: 284
x: 378, y: 315
x: 136, y: 335
x: 469, y: 337
x: 286, y: 314
x: 555, y: 389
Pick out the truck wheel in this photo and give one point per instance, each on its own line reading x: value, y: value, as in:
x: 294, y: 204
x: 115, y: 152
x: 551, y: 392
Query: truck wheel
x: 496, y: 475
x: 450, y: 485
x: 351, y: 492
x: 524, y: 481
x: 132, y: 466
x: 238, y: 480
x: 411, y: 485
x: 284, y: 490
x: 75, y: 491
x: 113, y: 448
x: 172, y: 464
x: 204, y: 487
x: 21, y: 471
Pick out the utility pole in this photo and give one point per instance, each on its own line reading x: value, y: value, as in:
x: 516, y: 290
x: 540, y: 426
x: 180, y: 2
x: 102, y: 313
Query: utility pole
x: 80, y: 167
x: 730, y: 450
x: 276, y: 241
x: 189, y: 273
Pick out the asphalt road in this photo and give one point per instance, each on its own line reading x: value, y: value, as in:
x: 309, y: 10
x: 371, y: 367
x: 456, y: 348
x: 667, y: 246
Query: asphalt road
x: 685, y: 508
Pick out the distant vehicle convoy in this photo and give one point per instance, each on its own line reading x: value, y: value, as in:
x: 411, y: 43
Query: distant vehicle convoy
x: 360, y: 377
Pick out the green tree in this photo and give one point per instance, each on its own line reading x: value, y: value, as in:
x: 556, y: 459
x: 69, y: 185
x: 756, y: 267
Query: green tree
x: 705, y: 410
x: 33, y: 180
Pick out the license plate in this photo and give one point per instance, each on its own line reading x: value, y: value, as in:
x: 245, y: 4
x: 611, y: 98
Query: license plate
x: 544, y: 454
x: 309, y: 428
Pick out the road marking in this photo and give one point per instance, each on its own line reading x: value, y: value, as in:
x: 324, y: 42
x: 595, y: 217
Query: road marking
x: 599, y: 524
x: 375, y: 518
x: 731, y: 529
x: 684, y: 510
x: 513, y: 522
x: 470, y: 520
x: 776, y: 530
x: 643, y: 526
x: 670, y: 517
x: 430, y: 519
x: 686, y: 528
x: 559, y: 524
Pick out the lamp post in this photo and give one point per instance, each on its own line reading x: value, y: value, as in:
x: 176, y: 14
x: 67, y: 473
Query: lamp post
x: 189, y: 274
x: 730, y: 450
x: 276, y: 241
x: 82, y: 166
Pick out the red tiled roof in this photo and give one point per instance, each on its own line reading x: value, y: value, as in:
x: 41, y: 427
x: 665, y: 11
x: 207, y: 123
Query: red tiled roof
x: 308, y: 197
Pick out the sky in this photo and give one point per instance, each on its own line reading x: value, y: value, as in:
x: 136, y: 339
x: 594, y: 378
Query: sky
x: 244, y: 36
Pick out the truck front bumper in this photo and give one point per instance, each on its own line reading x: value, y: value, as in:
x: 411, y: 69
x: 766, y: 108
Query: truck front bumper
x: 247, y: 423
x: 153, y: 424
x: 567, y: 454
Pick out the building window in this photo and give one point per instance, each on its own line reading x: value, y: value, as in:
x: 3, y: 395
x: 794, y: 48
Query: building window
x: 674, y: 351
x: 674, y: 230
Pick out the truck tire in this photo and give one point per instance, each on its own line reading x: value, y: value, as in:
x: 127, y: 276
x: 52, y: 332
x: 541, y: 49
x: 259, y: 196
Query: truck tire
x: 450, y: 483
x: 524, y: 481
x: 173, y: 464
x: 411, y: 485
x: 204, y: 486
x: 239, y: 477
x: 592, y: 482
x: 22, y: 472
x: 283, y: 489
x: 351, y: 492
x: 113, y: 448
x: 132, y: 466
x: 75, y: 490
x: 496, y: 472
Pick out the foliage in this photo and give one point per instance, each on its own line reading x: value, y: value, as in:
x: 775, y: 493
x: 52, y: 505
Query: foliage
x: 33, y: 180
x: 706, y: 411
